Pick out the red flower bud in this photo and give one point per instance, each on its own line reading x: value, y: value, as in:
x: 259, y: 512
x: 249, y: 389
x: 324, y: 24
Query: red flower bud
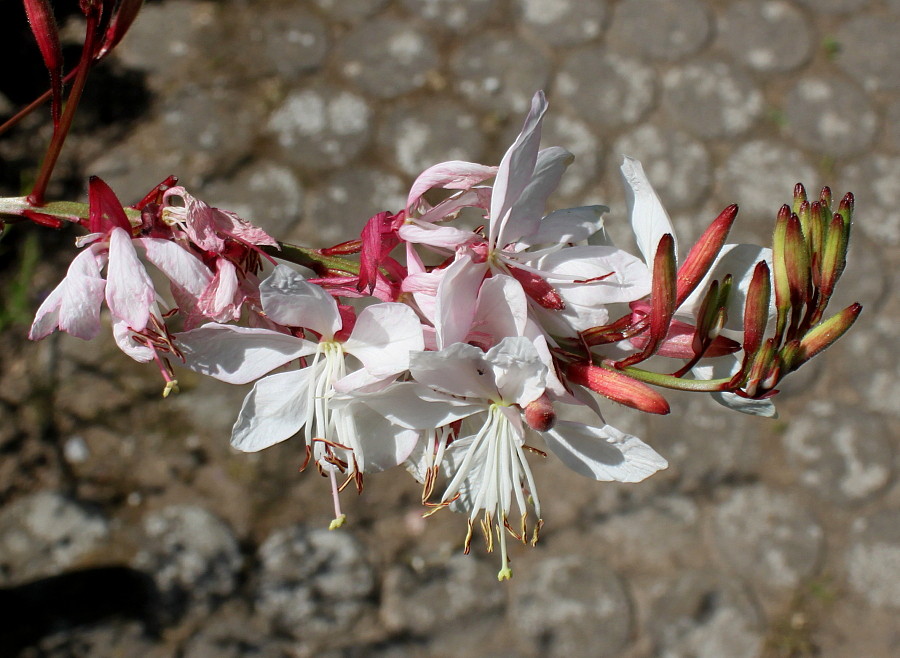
x: 539, y: 414
x: 618, y: 387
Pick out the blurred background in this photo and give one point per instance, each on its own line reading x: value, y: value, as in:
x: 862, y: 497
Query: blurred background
x: 129, y: 527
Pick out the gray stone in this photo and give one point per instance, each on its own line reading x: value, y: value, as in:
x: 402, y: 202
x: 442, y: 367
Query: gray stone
x: 283, y: 40
x: 875, y: 181
x: 339, y: 207
x: 173, y: 38
x: 712, y: 99
x: 386, y: 58
x: 840, y: 453
x: 873, y: 558
x: 455, y: 15
x: 767, y: 537
x: 703, y: 613
x: 655, y: 538
x: 265, y: 193
x: 122, y: 639
x: 314, y: 584
x: 46, y: 533
x: 771, y: 36
x: 830, y: 115
x: 229, y: 635
x: 432, y: 596
x: 760, y: 176
x: 211, y: 127
x: 625, y: 96
x: 320, y: 127
x: 499, y: 73
x: 565, y: 604
x: 660, y: 29
x: 870, y: 51
x: 351, y: 11
x: 563, y: 22
x: 417, y: 136
x: 892, y: 126
x: 192, y: 555
x: 835, y: 6
x: 678, y: 165
x: 560, y: 128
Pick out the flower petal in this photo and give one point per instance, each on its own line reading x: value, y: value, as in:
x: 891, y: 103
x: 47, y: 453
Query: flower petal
x: 383, y: 337
x: 290, y: 300
x: 649, y: 219
x: 603, y: 453
x: 273, y: 411
x: 453, y: 175
x: 238, y: 355
x: 129, y: 290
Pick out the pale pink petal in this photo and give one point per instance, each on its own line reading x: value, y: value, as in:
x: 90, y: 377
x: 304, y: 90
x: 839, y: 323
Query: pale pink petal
x: 273, y: 411
x: 415, y: 406
x: 74, y: 305
x: 290, y: 300
x: 566, y: 226
x: 649, y: 219
x: 129, y: 290
x: 453, y: 175
x: 383, y: 337
x: 221, y: 300
x: 455, y: 302
x: 231, y: 224
x: 238, y: 355
x: 460, y: 369
x: 448, y: 237
x: 196, y: 217
x: 579, y: 271
x: 526, y: 214
x: 517, y: 167
x: 125, y: 339
x: 603, y: 453
x: 502, y: 308
x: 519, y: 374
x: 180, y: 266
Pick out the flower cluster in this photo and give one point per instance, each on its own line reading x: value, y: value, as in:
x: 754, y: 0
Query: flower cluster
x: 456, y: 351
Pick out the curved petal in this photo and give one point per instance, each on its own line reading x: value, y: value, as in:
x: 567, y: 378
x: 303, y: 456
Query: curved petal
x: 74, y: 305
x: 566, y: 226
x: 649, y: 219
x: 603, y: 453
x: 129, y: 290
x: 238, y: 355
x: 453, y: 175
x: 516, y: 167
x: 415, y: 406
x: 460, y: 369
x: 525, y: 217
x: 383, y: 337
x: 290, y: 300
x: 519, y: 373
x: 455, y: 302
x: 273, y: 411
x: 180, y: 266
x: 594, y: 276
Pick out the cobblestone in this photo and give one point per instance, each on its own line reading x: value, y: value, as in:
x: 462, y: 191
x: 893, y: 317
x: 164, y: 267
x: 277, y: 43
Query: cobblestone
x: 712, y: 99
x: 843, y: 455
x: 874, y: 553
x: 831, y: 116
x: 568, y: 603
x: 679, y: 28
x: 499, y: 73
x: 284, y: 40
x: 770, y: 37
x: 563, y: 22
x: 386, y: 58
x: 43, y: 534
x: 870, y: 52
x: 321, y: 127
x: 767, y: 537
x: 876, y: 180
x: 679, y: 165
x: 626, y: 95
x: 455, y: 15
x: 416, y: 137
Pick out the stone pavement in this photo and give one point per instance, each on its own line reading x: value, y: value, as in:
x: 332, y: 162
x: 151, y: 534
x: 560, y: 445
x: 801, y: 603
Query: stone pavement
x: 764, y: 537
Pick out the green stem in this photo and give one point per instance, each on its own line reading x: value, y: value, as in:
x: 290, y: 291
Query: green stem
x: 677, y: 383
x: 313, y: 259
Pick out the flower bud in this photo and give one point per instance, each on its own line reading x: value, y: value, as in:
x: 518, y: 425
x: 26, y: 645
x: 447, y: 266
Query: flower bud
x: 799, y: 197
x: 796, y: 257
x: 779, y: 270
x: 824, y: 335
x: 703, y: 254
x: 618, y: 387
x: 539, y: 414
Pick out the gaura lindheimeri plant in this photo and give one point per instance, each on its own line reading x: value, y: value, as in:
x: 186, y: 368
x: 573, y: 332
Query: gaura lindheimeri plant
x: 466, y: 355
